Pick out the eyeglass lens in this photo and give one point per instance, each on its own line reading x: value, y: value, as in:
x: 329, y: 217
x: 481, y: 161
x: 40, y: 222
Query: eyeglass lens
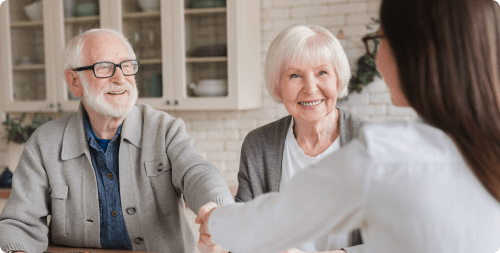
x: 106, y: 69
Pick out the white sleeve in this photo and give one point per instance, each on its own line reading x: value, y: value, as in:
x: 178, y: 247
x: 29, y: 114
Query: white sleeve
x: 325, y: 198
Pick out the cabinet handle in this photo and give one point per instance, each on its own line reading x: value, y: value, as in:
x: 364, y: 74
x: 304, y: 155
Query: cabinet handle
x: 59, y: 105
x: 51, y: 105
x: 168, y: 102
x: 176, y: 102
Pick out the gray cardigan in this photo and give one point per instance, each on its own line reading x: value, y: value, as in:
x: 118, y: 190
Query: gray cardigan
x: 159, y: 169
x: 262, y: 156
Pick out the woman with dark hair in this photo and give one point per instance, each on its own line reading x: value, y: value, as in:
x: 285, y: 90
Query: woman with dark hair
x: 426, y: 186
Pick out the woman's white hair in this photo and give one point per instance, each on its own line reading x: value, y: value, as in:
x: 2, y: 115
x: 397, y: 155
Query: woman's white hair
x: 306, y: 45
x: 73, y: 50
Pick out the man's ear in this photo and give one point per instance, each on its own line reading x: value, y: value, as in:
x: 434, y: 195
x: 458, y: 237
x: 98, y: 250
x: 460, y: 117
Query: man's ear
x: 74, y: 83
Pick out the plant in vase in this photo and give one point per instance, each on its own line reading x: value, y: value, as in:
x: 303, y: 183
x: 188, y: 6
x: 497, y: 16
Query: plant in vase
x: 18, y: 131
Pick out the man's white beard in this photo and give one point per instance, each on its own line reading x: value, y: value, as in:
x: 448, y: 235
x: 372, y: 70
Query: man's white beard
x: 99, y: 104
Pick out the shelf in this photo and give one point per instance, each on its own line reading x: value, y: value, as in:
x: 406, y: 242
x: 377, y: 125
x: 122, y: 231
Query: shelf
x: 4, y: 193
x: 20, y: 24
x: 29, y: 67
x: 206, y: 59
x: 204, y: 10
x: 150, y: 14
x: 81, y: 19
x: 150, y: 61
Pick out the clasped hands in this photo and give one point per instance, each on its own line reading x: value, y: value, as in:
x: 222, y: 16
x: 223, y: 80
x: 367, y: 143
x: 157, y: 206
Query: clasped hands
x: 205, y: 243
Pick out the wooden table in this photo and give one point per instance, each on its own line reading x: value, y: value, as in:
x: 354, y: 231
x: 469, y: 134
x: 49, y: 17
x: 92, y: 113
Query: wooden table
x: 57, y: 248
x: 4, y: 193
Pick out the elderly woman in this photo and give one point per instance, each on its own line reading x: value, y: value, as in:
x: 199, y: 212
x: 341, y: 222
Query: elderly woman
x: 306, y: 70
x: 426, y: 186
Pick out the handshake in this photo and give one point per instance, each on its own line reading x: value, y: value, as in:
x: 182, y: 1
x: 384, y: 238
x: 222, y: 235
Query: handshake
x: 205, y: 243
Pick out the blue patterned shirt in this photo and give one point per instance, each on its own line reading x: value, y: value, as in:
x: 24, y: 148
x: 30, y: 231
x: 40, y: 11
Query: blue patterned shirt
x: 104, y: 155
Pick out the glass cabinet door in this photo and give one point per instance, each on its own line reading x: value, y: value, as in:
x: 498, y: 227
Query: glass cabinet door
x: 27, y: 50
x: 205, y: 32
x: 143, y: 27
x: 79, y: 16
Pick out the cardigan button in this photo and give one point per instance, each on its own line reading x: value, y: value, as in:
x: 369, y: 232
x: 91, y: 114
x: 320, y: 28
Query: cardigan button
x: 160, y: 167
x: 110, y: 176
x: 114, y: 213
x: 138, y: 240
x: 130, y: 210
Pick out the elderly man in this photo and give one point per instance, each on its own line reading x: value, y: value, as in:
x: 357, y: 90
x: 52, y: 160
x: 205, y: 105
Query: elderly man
x: 113, y: 175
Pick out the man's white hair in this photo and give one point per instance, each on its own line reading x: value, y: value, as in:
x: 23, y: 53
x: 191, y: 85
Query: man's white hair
x: 305, y: 45
x: 73, y: 50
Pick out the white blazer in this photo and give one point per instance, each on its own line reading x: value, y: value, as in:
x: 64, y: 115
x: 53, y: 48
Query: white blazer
x: 405, y: 185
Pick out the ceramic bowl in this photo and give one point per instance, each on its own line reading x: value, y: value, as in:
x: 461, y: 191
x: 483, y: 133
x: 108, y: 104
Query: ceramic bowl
x: 210, y: 88
x: 34, y: 11
x: 149, y: 5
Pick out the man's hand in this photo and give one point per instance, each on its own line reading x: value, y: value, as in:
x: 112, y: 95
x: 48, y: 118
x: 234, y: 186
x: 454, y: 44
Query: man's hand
x: 204, y: 211
x: 205, y: 243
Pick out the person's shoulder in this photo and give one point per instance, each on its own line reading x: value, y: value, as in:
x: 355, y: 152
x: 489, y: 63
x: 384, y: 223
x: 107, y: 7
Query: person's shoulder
x: 403, y: 140
x: 269, y: 132
x: 148, y: 111
x: 351, y: 118
x: 53, y: 128
x: 152, y: 116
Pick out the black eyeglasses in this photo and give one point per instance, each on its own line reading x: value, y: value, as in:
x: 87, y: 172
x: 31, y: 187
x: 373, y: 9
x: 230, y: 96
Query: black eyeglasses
x: 107, y: 69
x: 372, y: 41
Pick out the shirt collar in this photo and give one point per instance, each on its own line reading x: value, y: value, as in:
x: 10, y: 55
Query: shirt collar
x: 89, y: 133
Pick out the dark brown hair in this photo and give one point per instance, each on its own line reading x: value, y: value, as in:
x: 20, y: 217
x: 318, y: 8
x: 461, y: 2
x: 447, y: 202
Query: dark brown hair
x: 448, y: 53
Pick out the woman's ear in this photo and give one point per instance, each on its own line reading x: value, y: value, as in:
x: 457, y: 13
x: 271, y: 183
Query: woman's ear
x: 74, y: 83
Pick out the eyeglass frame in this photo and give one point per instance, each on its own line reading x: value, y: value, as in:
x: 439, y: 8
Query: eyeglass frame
x: 119, y: 65
x: 368, y: 37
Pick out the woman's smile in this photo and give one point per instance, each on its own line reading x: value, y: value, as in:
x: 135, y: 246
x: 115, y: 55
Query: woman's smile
x: 311, y: 102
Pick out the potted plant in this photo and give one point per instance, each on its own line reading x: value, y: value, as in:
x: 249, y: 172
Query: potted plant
x: 367, y: 70
x: 18, y: 132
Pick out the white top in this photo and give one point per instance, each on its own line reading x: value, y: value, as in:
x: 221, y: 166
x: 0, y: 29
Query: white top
x: 405, y: 185
x: 294, y: 160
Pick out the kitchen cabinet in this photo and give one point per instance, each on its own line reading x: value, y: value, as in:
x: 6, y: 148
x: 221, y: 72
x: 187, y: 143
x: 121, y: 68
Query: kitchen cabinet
x: 191, y: 58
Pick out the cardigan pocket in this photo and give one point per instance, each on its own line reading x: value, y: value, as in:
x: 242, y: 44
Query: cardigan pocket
x: 158, y: 166
x: 159, y: 172
x: 58, y: 194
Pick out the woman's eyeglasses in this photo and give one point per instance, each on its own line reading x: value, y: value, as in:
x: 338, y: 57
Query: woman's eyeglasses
x: 372, y: 41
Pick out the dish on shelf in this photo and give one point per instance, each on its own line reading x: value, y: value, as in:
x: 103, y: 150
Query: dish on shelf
x: 206, y: 3
x: 86, y: 9
x: 209, y: 88
x: 212, y: 50
x: 149, y: 5
x: 25, y: 60
x: 34, y: 11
